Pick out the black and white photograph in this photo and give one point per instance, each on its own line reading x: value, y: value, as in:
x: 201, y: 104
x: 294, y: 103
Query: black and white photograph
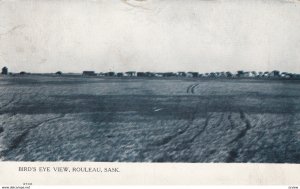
x: 168, y: 81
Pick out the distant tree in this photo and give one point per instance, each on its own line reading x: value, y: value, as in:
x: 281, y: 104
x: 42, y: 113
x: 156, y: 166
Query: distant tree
x: 58, y: 73
x: 275, y: 73
x: 228, y: 74
x: 254, y: 73
x: 111, y: 74
x: 168, y: 74
x: 4, y: 71
x: 212, y: 74
x: 131, y: 73
x: 266, y: 74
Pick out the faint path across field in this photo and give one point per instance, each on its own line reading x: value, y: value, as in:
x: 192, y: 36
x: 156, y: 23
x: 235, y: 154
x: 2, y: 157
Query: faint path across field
x: 191, y: 88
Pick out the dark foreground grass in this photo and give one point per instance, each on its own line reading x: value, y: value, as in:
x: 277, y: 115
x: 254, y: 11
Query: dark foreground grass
x: 157, y: 120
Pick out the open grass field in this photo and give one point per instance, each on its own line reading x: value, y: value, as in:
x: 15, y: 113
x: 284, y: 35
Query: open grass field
x: 149, y: 120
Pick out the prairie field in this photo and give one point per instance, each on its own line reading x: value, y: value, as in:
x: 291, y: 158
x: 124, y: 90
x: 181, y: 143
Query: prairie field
x: 44, y: 118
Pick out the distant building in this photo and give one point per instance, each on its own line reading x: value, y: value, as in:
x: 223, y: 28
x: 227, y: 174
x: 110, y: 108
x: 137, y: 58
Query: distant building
x: 253, y: 74
x: 131, y: 74
x: 194, y: 74
x: 247, y: 74
x: 181, y: 74
x: 101, y: 74
x: 222, y: 74
x: 189, y: 74
x: 206, y: 75
x: 141, y: 74
x: 169, y: 74
x: 240, y: 73
x: 89, y: 73
x: 228, y: 74
x: 297, y: 76
x: 292, y: 75
x: 212, y: 75
x: 275, y: 73
x: 4, y: 71
x: 120, y: 74
x: 285, y: 75
x: 149, y: 74
x: 110, y: 74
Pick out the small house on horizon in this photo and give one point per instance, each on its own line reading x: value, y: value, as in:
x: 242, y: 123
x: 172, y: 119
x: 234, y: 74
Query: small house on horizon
x: 89, y: 73
x: 275, y: 73
x: 240, y: 73
x: 181, y: 74
x: 193, y: 74
x: 110, y: 74
x: 169, y: 74
x: 120, y: 74
x: 130, y: 73
x: 159, y: 74
x: 149, y: 74
x: 101, y: 74
x: 141, y: 74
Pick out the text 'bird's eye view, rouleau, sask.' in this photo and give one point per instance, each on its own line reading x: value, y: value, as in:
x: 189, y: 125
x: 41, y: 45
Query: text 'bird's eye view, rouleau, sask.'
x: 204, y: 81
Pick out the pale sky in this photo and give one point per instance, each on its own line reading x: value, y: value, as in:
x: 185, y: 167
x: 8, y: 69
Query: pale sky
x: 150, y: 35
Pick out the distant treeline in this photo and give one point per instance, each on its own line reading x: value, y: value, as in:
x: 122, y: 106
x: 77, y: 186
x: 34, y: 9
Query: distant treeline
x: 238, y: 74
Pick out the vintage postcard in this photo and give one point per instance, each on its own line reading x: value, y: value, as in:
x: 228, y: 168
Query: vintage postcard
x: 150, y: 92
